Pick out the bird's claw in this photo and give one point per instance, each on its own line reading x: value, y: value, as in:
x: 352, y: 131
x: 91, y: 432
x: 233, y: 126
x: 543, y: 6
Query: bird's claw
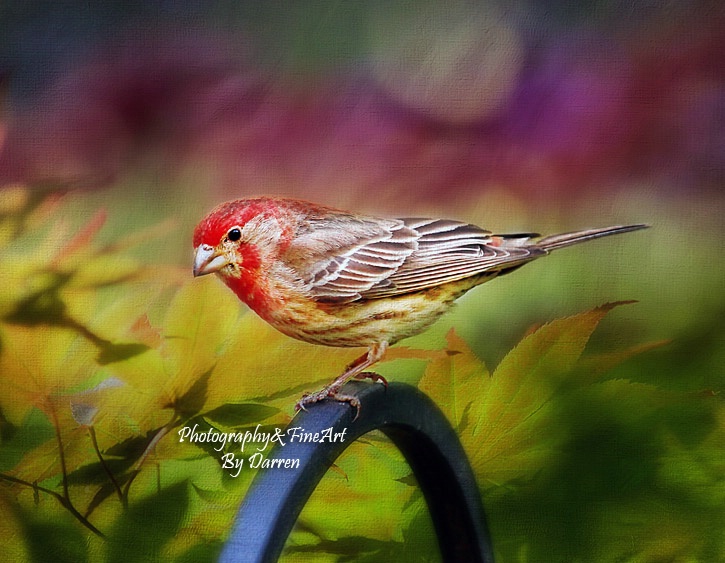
x: 332, y: 391
x: 351, y: 399
x: 310, y: 399
x: 328, y: 393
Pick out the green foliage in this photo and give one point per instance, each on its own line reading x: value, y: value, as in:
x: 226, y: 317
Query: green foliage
x: 94, y: 393
x: 577, y: 467
x: 105, y: 359
x: 148, y: 526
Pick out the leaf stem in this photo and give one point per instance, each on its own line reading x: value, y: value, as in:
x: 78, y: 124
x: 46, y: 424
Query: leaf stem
x: 64, y: 499
x: 147, y: 451
x: 119, y: 492
x: 65, y: 502
x: 61, y: 456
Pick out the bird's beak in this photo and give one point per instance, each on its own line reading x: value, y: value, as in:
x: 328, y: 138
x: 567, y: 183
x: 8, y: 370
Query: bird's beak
x: 207, y: 260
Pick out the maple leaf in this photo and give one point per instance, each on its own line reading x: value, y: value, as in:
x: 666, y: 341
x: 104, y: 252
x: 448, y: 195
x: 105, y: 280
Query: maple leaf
x: 507, y: 419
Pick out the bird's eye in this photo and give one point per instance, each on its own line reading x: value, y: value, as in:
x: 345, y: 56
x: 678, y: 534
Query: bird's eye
x: 234, y: 234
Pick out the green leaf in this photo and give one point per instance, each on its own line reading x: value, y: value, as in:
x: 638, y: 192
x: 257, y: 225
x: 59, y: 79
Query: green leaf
x: 96, y: 474
x: 55, y: 541
x: 239, y: 414
x: 42, y: 307
x: 147, y: 526
x: 206, y: 552
x: 132, y: 448
x: 34, y: 431
x: 110, y: 352
x: 210, y: 496
x: 192, y: 401
x: 106, y: 490
x: 348, y: 548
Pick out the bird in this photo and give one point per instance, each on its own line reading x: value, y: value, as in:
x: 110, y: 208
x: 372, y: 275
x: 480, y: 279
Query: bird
x: 337, y: 278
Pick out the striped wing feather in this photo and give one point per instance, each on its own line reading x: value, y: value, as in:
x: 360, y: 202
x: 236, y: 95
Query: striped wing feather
x: 365, y: 254
x: 375, y: 259
x: 450, y: 251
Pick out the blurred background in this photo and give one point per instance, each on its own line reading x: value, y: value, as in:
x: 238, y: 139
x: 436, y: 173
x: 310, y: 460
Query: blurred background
x: 524, y: 115
x: 514, y: 116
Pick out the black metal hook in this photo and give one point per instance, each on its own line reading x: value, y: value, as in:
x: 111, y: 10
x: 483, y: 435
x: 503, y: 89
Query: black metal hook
x: 421, y: 432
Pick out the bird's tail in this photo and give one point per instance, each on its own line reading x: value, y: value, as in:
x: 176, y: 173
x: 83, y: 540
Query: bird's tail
x: 553, y: 242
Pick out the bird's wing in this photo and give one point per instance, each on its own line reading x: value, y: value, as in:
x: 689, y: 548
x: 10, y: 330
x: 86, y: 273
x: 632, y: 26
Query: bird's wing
x: 345, y: 258
x: 449, y: 251
x: 341, y: 257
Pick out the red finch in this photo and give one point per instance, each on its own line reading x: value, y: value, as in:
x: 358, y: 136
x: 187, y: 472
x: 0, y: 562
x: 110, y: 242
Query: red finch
x: 331, y: 277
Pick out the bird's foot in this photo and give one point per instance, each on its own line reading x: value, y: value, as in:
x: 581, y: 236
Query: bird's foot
x: 353, y: 371
x: 330, y: 392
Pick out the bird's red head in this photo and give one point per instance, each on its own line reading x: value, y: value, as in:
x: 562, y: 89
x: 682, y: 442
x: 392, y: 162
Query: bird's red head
x: 217, y: 224
x: 232, y: 241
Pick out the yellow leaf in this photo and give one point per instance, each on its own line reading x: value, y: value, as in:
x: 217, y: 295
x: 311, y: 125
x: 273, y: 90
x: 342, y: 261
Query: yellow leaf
x: 197, y: 328
x: 39, y: 362
x: 453, y: 378
x: 43, y: 462
x: 543, y: 357
x: 114, y: 314
x: 149, y: 388
x: 506, y: 420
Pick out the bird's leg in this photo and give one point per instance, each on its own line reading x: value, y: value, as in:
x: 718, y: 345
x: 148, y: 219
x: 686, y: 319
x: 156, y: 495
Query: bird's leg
x: 374, y: 377
x: 355, y: 370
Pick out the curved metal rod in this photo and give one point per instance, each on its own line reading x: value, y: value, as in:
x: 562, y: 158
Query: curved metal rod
x: 421, y: 432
